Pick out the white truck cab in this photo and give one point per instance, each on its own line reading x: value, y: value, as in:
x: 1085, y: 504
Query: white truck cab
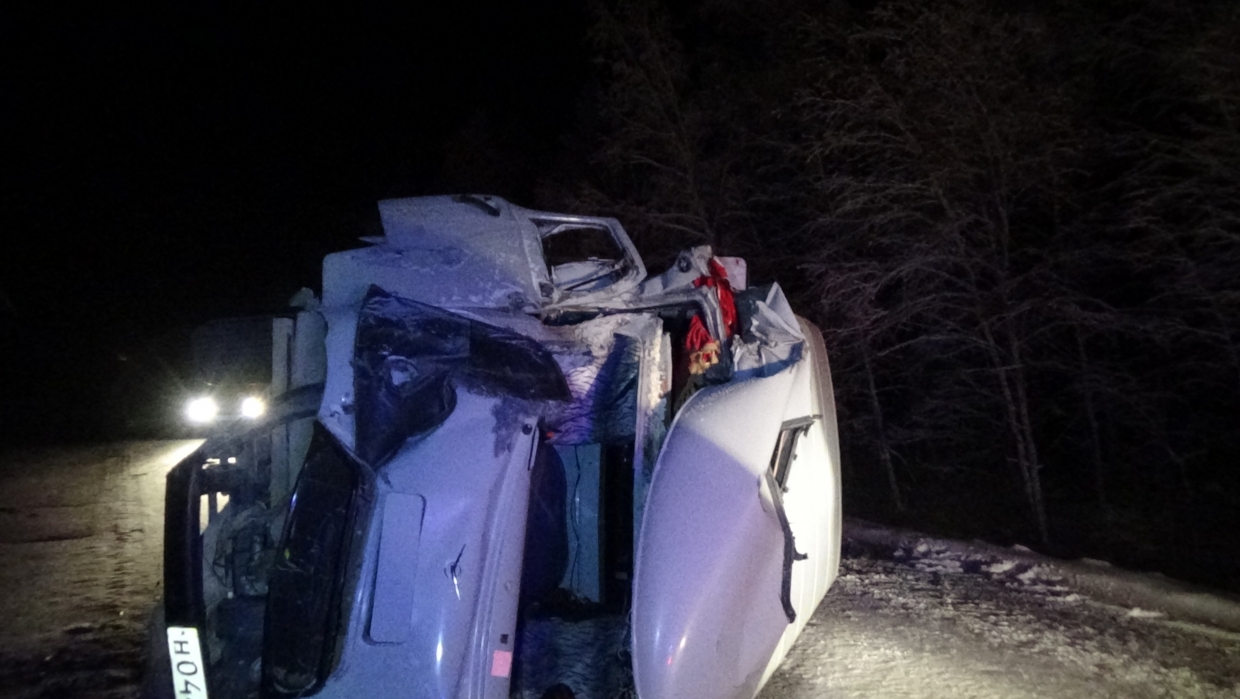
x: 529, y: 469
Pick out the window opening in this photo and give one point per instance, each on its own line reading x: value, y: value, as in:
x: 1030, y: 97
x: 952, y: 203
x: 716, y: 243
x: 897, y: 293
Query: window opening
x: 580, y: 256
x: 786, y: 448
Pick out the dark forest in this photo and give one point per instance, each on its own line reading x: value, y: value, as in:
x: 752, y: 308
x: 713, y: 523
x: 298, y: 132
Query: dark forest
x: 1017, y: 224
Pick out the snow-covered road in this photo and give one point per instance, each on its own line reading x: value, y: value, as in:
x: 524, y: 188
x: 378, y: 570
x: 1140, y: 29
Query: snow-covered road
x: 81, y: 536
x: 917, y: 617
x: 910, y: 616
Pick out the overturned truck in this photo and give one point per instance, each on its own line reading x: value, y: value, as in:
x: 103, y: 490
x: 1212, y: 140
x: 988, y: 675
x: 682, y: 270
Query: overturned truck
x: 524, y: 469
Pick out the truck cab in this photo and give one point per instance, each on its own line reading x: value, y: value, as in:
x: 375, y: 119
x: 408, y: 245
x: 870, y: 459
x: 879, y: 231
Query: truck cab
x: 525, y: 467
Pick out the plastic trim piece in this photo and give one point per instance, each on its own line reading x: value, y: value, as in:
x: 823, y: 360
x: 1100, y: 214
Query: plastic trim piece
x: 791, y: 555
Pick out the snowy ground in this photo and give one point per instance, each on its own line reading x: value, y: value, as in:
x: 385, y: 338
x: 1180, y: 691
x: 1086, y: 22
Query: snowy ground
x: 80, y: 542
x: 910, y: 616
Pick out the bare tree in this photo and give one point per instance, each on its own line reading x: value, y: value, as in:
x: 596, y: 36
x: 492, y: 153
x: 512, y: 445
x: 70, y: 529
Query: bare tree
x: 1017, y: 227
x: 1172, y: 212
x: 938, y: 169
x: 656, y: 131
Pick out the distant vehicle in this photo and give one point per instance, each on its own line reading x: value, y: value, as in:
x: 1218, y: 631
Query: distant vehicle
x: 232, y: 372
x: 529, y: 470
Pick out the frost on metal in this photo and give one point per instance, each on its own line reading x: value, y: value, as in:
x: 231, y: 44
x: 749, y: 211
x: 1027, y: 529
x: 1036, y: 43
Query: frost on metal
x: 530, y: 453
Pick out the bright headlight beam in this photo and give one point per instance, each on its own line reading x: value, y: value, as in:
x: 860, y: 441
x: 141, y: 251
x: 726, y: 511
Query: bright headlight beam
x: 202, y: 409
x: 252, y: 407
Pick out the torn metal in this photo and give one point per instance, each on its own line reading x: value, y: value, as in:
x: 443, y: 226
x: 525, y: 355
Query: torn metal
x: 527, y: 452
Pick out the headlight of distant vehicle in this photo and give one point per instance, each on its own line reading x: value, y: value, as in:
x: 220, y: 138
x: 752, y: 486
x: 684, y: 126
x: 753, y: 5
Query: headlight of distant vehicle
x: 202, y: 409
x: 252, y: 407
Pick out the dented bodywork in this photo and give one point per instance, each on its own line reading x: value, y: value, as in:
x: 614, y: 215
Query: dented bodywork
x: 527, y: 464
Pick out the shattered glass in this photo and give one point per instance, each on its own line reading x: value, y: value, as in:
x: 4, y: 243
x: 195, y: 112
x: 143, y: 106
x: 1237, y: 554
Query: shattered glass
x: 410, y: 358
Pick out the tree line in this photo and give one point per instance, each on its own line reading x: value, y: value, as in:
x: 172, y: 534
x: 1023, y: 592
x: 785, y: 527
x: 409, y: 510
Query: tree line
x: 1015, y: 222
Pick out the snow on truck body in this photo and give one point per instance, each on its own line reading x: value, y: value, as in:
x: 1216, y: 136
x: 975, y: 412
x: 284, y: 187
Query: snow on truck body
x: 529, y: 465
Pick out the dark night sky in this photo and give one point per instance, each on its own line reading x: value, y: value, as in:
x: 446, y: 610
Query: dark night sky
x: 186, y: 161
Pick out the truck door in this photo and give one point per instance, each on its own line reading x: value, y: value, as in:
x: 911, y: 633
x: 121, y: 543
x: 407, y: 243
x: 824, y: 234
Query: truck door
x: 708, y: 609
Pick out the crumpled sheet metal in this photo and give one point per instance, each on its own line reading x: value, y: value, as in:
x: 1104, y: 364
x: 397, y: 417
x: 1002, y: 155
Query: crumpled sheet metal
x: 771, y: 338
x: 410, y: 359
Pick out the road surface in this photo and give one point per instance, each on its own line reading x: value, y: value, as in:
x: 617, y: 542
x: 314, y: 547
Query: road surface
x: 910, y: 617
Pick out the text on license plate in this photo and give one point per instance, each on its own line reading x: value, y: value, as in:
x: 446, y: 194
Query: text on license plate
x: 189, y: 679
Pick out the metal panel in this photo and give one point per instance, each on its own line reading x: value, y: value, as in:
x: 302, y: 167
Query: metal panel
x: 391, y: 615
x: 582, y: 470
x: 707, y: 611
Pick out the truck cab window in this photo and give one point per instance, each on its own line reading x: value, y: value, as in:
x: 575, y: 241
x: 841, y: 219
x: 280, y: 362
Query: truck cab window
x: 581, y: 257
x: 786, y: 448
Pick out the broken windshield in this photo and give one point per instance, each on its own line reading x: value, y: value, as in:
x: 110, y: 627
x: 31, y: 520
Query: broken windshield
x: 303, y: 603
x: 410, y: 358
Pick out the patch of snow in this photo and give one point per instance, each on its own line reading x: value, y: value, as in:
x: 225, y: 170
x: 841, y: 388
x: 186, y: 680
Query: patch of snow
x: 889, y: 629
x: 1104, y: 583
x: 1034, y: 573
x: 1000, y: 567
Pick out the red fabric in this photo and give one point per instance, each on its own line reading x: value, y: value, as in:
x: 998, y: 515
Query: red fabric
x: 698, y: 336
x: 718, y: 279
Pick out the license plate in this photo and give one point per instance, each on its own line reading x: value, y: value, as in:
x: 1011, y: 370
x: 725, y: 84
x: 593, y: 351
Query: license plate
x: 189, y: 679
